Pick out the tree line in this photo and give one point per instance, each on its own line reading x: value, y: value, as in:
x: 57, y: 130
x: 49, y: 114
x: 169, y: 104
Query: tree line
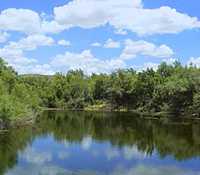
x: 171, y: 88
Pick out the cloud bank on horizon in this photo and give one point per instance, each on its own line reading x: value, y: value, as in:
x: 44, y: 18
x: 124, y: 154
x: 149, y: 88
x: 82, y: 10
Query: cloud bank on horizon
x: 97, y: 36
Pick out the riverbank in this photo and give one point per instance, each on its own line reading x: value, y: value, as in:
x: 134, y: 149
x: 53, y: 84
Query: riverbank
x: 147, y: 114
x: 17, y: 122
x: 24, y: 121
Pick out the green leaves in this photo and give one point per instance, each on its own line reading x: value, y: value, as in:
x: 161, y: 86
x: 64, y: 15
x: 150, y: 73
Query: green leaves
x: 172, y: 88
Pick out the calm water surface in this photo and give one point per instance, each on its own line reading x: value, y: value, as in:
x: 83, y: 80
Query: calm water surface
x: 81, y: 143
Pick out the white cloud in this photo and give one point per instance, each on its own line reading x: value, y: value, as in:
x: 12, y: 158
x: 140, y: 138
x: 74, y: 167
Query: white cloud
x: 64, y: 43
x: 121, y: 32
x: 150, y: 65
x: 144, y: 48
x: 3, y: 37
x: 22, y: 20
x: 170, y: 61
x: 194, y: 62
x: 27, y: 21
x: 13, y: 53
x: 35, y: 68
x: 85, y: 61
x: 124, y: 15
x: 98, y: 12
x: 96, y: 44
x: 51, y: 27
x: 154, y: 66
x: 159, y: 21
x: 112, y: 44
x: 15, y: 57
x: 31, y: 42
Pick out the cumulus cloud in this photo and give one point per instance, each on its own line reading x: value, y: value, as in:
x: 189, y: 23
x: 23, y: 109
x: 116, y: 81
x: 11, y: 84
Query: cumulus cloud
x: 149, y: 65
x: 170, y: 61
x: 35, y: 68
x: 144, y: 48
x: 96, y: 44
x: 123, y: 15
x: 154, y: 66
x: 64, y: 43
x: 194, y: 62
x: 51, y: 27
x: 16, y: 58
x: 13, y: 53
x: 121, y: 32
x: 112, y: 44
x: 3, y: 37
x: 21, y: 20
x: 27, y: 21
x: 85, y: 61
x: 31, y: 42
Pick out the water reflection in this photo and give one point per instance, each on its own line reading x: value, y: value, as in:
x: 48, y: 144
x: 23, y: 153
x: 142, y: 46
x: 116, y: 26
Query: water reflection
x: 82, y: 143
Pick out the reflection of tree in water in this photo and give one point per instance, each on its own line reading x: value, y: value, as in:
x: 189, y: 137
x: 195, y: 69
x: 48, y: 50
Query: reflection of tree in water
x: 121, y: 129
x: 10, y: 144
x: 169, y: 138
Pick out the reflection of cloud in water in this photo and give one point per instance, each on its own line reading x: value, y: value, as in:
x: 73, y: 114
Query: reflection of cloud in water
x: 112, y: 153
x: 133, y: 153
x: 148, y: 170
x: 95, y: 153
x: 30, y: 155
x: 138, y: 170
x: 65, y: 143
x: 39, y: 170
x: 86, y: 143
x: 62, y: 155
x: 48, y: 170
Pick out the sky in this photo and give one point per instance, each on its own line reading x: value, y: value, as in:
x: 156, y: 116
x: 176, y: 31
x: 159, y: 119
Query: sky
x: 98, y: 36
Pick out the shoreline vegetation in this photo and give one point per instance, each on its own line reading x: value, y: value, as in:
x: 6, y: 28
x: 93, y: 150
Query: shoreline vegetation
x: 171, y: 89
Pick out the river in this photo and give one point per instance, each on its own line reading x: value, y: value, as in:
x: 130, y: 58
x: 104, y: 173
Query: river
x: 97, y: 143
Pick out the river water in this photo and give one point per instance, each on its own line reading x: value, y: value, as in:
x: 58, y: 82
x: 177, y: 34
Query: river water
x: 96, y: 143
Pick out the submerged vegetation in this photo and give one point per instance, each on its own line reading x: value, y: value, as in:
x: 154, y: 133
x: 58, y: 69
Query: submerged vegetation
x: 172, y: 88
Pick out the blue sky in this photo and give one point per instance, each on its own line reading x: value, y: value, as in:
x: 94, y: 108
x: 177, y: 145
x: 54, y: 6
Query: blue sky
x: 98, y: 35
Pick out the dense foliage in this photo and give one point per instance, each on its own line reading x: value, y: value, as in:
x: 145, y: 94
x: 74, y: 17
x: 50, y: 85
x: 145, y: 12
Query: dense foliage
x: 172, y: 88
x: 17, y: 99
